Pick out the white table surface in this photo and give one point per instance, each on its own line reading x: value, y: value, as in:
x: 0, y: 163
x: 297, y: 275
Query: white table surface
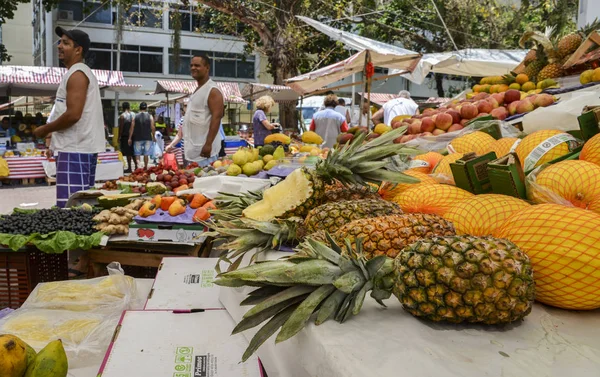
x: 391, y: 342
x: 143, y: 288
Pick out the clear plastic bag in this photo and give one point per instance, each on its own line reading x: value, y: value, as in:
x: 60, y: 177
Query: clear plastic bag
x: 85, y: 335
x: 542, y: 194
x: 109, y: 294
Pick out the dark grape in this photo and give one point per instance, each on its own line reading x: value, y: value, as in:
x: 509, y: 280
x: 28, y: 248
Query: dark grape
x: 45, y: 221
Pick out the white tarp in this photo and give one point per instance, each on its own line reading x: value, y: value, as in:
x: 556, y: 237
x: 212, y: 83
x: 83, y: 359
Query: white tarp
x: 382, y: 55
x: 279, y: 93
x: 469, y: 62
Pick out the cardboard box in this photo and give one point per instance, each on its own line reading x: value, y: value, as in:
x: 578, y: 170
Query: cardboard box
x: 183, y: 284
x: 589, y: 122
x: 162, y: 343
x: 166, y: 233
x: 507, y: 177
x: 470, y: 172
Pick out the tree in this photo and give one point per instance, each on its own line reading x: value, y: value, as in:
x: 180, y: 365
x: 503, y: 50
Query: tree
x: 271, y: 27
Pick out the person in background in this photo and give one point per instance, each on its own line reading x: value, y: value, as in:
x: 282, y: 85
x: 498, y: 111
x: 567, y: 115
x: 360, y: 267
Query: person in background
x: 202, y: 131
x: 260, y: 124
x: 7, y: 130
x: 39, y: 119
x: 141, y: 134
x: 342, y: 109
x: 329, y: 123
x: 125, y: 121
x: 160, y: 124
x: 17, y: 119
x: 76, y: 120
x: 403, y: 105
x: 366, y: 110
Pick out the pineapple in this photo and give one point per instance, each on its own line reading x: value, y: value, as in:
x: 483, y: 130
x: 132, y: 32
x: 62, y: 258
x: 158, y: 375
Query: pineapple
x: 569, y: 43
x: 530, y: 57
x: 546, y: 63
x: 550, y: 71
x: 534, y: 68
x: 355, y: 163
x: 563, y: 244
x: 454, y: 279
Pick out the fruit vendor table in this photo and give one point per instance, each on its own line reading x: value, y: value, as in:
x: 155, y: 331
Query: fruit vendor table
x: 108, y: 168
x: 390, y: 342
x: 141, y: 254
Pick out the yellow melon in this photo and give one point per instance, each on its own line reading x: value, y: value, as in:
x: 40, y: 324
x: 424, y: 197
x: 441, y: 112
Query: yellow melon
x: 563, y: 244
x: 443, y: 167
x: 389, y: 190
x: 502, y: 146
x: 479, y: 215
x: 478, y: 142
x: 532, y: 141
x: 425, y: 163
x: 575, y: 182
x: 435, y: 199
x: 591, y: 150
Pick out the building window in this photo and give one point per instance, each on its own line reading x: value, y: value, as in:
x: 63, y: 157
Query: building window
x: 222, y: 64
x: 73, y: 10
x: 144, y: 16
x: 138, y: 59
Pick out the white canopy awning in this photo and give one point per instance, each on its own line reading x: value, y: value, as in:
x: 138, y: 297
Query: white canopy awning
x: 382, y: 55
x: 469, y: 62
x: 279, y: 93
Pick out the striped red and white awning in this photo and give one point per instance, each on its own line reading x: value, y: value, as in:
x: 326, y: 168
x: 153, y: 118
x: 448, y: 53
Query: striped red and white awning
x: 33, y: 80
x: 381, y: 98
x: 231, y: 90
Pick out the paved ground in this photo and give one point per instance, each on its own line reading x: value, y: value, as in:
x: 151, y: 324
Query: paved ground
x: 11, y: 197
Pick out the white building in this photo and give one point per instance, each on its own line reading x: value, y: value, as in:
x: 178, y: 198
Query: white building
x: 146, y: 53
x: 17, y: 38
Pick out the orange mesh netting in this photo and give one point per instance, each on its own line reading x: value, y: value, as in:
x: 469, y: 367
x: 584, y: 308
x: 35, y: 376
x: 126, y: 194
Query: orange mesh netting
x: 432, y: 158
x: 388, y: 190
x: 479, y: 215
x: 478, y: 142
x: 576, y: 181
x: 563, y: 244
x: 436, y: 199
x: 591, y: 150
x: 443, y: 167
x: 502, y: 146
x: 530, y: 142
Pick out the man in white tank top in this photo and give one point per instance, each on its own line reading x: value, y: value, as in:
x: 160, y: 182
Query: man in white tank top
x: 76, y: 121
x: 202, y: 121
x: 403, y: 105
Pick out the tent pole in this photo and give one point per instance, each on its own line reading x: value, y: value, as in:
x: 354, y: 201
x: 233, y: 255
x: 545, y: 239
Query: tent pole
x: 362, y: 98
x: 368, y: 87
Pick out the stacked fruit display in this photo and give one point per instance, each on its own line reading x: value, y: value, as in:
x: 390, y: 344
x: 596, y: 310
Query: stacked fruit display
x: 173, y: 206
x: 590, y: 75
x: 18, y: 359
x: 521, y: 82
x: 251, y: 161
x: 446, y: 254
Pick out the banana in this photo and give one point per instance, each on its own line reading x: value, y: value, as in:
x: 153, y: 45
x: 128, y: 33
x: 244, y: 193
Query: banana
x: 13, y: 356
x: 51, y: 361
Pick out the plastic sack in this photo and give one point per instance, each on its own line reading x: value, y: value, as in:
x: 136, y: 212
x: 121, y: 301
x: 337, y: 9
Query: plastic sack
x: 170, y: 161
x: 440, y: 142
x: 85, y: 335
x: 563, y: 115
x: 109, y: 294
x: 541, y: 194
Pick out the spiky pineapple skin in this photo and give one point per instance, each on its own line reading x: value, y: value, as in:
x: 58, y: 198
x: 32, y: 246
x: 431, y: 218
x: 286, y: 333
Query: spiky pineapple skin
x: 465, y: 279
x: 318, y: 186
x: 552, y: 70
x: 349, y: 193
x: 387, y: 235
x: 533, y: 69
x: 332, y: 216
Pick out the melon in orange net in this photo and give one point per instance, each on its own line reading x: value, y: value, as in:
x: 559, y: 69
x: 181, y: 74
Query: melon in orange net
x: 563, y: 244
x: 532, y: 141
x: 443, y: 167
x: 425, y: 163
x: 478, y: 142
x: 389, y: 190
x: 591, y: 150
x: 502, y: 146
x: 571, y: 181
x: 435, y: 199
x: 479, y: 215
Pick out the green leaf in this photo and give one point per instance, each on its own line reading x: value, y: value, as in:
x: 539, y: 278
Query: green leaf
x: 330, y: 306
x: 279, y: 298
x: 301, y: 315
x: 258, y: 318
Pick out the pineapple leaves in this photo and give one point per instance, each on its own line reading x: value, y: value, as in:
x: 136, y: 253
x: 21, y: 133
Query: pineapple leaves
x: 279, y: 298
x: 302, y: 314
x: 258, y: 318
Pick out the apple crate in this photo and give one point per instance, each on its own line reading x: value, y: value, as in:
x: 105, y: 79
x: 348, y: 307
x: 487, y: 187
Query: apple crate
x: 22, y: 270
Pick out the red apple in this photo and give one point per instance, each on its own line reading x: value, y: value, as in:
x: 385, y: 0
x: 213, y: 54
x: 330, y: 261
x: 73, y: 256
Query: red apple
x: 443, y: 121
x: 437, y: 132
x: 500, y: 113
x: 468, y: 111
x: 455, y: 127
x: 427, y: 125
x: 480, y: 96
x: 493, y: 102
x: 511, y: 96
x: 463, y: 122
x: 499, y: 97
x: 512, y: 107
x: 414, y: 128
x: 484, y: 107
x: 543, y: 100
x: 525, y: 106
